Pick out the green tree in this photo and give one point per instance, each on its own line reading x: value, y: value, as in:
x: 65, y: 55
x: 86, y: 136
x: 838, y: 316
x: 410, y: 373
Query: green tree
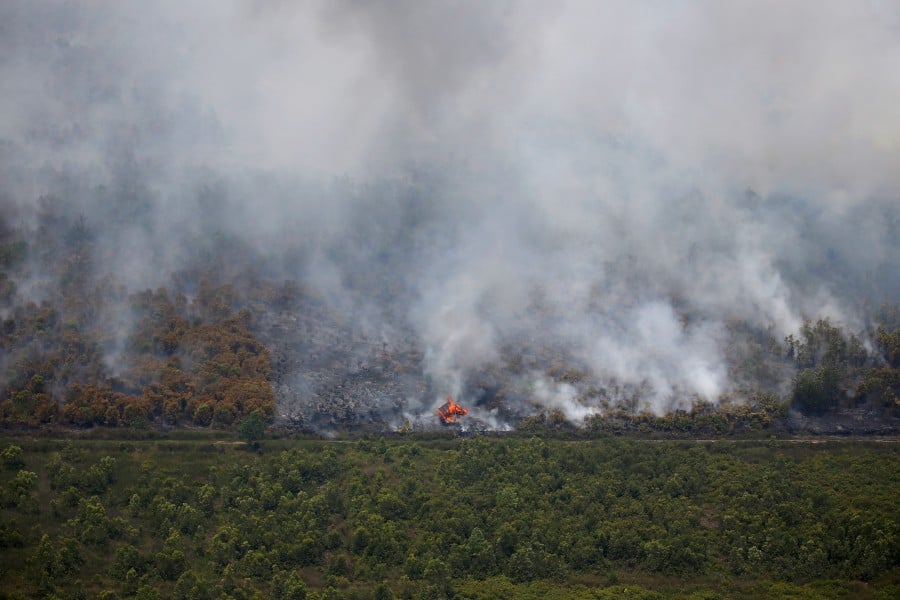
x: 817, y: 390
x: 11, y: 457
x: 288, y: 585
x: 251, y: 429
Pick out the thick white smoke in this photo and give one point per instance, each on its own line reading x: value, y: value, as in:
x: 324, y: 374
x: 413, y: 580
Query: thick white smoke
x: 617, y: 179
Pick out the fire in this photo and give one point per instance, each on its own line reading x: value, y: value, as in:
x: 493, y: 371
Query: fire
x: 449, y: 409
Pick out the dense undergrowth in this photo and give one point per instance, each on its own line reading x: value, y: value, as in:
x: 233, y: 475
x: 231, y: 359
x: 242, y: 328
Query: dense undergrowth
x: 195, y: 516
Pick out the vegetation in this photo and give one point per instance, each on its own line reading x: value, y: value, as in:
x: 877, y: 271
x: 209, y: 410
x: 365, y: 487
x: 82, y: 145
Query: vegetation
x: 91, y: 353
x: 166, y: 486
x: 201, y: 517
x: 835, y: 370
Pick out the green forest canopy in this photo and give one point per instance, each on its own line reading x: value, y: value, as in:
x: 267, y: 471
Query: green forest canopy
x: 474, y: 518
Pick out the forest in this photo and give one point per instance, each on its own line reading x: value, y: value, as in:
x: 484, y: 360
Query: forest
x: 247, y: 249
x: 237, y: 434
x: 225, y: 341
x: 200, y: 516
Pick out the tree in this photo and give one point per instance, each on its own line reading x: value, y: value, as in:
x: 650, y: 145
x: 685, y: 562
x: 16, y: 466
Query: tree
x: 11, y: 457
x: 289, y: 585
x: 817, y: 390
x: 889, y: 345
x: 203, y: 415
x: 251, y: 429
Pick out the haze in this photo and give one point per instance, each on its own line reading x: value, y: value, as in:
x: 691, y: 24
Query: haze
x: 617, y: 183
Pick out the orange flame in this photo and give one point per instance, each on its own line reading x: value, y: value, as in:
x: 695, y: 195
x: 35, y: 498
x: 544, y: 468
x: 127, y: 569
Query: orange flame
x: 449, y: 410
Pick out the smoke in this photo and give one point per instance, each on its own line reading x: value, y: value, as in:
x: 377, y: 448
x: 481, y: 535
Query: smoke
x: 610, y: 182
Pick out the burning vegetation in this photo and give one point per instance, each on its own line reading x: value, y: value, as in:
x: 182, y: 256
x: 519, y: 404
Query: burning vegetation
x: 449, y: 411
x: 174, y: 250
x: 221, y: 344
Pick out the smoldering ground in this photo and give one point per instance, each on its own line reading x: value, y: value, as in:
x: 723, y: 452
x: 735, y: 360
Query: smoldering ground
x: 602, y: 184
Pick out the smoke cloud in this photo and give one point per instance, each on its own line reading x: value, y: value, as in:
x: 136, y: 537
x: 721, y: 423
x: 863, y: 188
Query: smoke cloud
x: 606, y: 184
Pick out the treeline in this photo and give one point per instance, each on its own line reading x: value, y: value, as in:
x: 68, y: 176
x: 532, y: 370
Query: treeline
x: 836, y: 370
x: 473, y: 518
x: 833, y: 370
x: 176, y: 367
x: 762, y: 414
x: 79, y: 349
x: 91, y: 353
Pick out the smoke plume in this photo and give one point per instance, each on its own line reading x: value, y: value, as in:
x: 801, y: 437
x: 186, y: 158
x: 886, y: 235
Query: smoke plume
x: 486, y: 187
